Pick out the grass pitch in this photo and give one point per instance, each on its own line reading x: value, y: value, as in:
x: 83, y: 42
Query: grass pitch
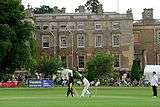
x: 56, y: 97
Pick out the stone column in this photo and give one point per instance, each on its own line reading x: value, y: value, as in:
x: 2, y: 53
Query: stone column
x: 145, y: 57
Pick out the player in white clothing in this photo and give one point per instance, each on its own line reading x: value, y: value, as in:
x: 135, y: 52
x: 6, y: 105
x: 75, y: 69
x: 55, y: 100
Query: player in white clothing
x: 154, y: 84
x: 86, y: 86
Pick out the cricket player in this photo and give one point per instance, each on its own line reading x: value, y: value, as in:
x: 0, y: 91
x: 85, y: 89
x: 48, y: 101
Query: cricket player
x: 70, y: 85
x: 86, y: 86
x: 154, y: 84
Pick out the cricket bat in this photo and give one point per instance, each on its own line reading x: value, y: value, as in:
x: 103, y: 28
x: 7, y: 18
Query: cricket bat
x: 78, y: 73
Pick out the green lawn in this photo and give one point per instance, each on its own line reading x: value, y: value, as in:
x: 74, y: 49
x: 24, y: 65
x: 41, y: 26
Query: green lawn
x: 55, y: 97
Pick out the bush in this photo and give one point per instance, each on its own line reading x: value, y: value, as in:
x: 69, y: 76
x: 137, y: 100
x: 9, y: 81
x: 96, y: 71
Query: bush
x: 99, y: 66
x: 135, y: 71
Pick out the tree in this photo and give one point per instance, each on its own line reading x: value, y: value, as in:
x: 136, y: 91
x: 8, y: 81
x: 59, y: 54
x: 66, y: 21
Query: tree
x: 92, y: 5
x: 99, y: 66
x: 135, y: 71
x: 48, y: 66
x: 16, y: 37
x: 43, y: 9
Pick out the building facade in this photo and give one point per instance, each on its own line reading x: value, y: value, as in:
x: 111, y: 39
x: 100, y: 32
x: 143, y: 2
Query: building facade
x: 147, y: 39
x: 75, y: 37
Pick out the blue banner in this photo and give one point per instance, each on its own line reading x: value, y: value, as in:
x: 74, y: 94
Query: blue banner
x: 47, y: 83
x: 40, y: 83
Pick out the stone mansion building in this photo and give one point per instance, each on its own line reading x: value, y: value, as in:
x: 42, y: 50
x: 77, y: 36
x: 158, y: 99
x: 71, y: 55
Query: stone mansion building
x: 75, y: 37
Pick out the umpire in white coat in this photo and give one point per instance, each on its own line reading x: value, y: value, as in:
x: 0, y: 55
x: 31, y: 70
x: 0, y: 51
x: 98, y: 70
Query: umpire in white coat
x: 154, y: 84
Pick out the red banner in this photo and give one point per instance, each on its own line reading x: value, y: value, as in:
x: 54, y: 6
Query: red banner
x: 9, y: 84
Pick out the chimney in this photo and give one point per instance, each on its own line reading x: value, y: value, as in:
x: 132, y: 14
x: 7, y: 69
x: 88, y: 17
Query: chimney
x: 81, y: 9
x: 100, y: 8
x: 129, y: 13
x: 147, y: 14
x: 63, y: 10
x: 55, y: 9
x: 29, y: 12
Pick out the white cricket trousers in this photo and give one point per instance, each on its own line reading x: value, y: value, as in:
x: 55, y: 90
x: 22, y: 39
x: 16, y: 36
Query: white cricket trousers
x: 85, y: 91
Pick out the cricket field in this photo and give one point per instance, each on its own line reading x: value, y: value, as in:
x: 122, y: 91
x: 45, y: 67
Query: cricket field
x: 101, y: 97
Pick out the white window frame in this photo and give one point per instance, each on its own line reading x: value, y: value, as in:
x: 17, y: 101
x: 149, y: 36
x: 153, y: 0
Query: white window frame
x: 43, y: 41
x: 60, y: 37
x: 96, y: 38
x: 79, y: 61
x: 114, y: 24
x: 78, y: 43
x: 98, y: 28
x: 113, y: 40
x: 45, y: 29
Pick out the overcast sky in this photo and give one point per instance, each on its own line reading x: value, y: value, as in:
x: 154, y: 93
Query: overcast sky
x: 108, y: 5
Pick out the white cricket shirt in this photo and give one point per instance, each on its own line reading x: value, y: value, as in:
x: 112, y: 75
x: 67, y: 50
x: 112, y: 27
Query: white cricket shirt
x: 85, y: 82
x: 154, y: 80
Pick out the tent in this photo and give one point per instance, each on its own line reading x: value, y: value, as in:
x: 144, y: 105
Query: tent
x: 148, y: 71
x: 64, y: 73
